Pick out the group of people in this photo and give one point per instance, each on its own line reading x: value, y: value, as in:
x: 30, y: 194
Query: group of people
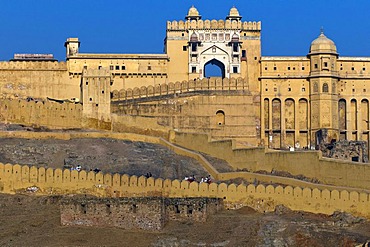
x: 148, y: 175
x: 192, y: 178
x: 206, y: 179
x: 77, y: 168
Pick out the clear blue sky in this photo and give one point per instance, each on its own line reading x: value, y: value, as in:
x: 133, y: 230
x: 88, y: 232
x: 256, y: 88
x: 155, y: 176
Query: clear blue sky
x: 122, y: 26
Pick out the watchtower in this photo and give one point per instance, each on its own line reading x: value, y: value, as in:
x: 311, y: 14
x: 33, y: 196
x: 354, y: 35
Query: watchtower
x: 323, y: 80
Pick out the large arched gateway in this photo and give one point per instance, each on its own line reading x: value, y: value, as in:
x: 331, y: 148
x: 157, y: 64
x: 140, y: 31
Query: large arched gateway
x: 214, y: 68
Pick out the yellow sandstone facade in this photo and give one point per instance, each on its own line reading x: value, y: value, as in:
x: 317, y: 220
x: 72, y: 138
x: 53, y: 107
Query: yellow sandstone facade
x: 259, y: 102
x: 277, y: 102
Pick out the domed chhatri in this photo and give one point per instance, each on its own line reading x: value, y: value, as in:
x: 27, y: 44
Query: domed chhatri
x: 323, y: 45
x: 234, y: 14
x: 194, y: 38
x: 235, y: 38
x: 193, y: 14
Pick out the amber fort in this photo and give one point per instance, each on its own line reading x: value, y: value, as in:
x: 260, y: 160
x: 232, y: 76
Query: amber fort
x: 307, y: 116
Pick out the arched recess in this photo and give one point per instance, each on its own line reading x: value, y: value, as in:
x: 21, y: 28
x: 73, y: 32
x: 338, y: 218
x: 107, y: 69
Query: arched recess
x: 303, y: 114
x: 276, y: 114
x: 214, y: 68
x: 266, y: 109
x: 365, y: 121
x: 365, y: 114
x: 220, y: 118
x: 289, y: 115
x: 266, y: 118
x: 353, y: 113
x: 275, y: 142
x: 303, y: 138
x: 325, y: 88
x: 342, y: 115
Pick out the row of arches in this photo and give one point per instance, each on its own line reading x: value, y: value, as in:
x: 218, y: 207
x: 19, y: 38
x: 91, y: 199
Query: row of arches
x: 287, y: 122
x: 353, y: 115
x: 296, y: 114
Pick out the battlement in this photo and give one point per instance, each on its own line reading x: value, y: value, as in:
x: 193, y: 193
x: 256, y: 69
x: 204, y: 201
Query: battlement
x: 33, y: 65
x: 41, y: 113
x: 206, y: 84
x: 16, y: 178
x: 213, y: 25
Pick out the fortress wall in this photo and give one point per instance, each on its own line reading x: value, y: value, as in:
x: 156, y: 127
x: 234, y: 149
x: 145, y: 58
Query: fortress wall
x: 32, y: 65
x: 50, y: 114
x: 307, y: 163
x: 222, y: 116
x: 140, y: 125
x: 263, y: 198
x: 38, y: 80
x: 213, y: 24
x: 171, y: 88
x: 74, y: 135
x: 192, y: 112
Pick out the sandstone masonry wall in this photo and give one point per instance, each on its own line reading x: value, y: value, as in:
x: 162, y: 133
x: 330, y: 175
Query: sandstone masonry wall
x: 146, y: 213
x: 308, y: 163
x: 263, y: 198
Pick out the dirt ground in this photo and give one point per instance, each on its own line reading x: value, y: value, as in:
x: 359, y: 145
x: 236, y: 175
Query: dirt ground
x: 28, y: 220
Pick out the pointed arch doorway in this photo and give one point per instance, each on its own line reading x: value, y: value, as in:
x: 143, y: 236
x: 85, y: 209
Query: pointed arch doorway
x: 214, y: 68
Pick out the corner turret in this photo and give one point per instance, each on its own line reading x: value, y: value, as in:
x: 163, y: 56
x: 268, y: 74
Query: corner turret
x: 72, y: 45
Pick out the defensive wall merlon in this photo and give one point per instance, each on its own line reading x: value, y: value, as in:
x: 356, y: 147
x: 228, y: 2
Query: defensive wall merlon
x: 206, y: 84
x: 30, y: 65
x: 16, y: 178
x: 42, y: 113
x: 213, y: 24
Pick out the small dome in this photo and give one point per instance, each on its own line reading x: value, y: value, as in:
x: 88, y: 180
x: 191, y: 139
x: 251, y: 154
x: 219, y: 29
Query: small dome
x: 235, y: 38
x: 234, y: 14
x: 194, y: 37
x: 193, y: 13
x: 323, y: 45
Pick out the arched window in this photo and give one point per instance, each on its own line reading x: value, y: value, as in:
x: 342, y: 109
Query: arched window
x: 315, y: 87
x: 220, y: 118
x: 325, y: 88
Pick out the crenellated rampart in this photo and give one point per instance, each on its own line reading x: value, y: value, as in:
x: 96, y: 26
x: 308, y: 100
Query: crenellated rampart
x: 213, y: 24
x: 23, y: 179
x: 41, y: 113
x: 33, y: 65
x: 206, y: 84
